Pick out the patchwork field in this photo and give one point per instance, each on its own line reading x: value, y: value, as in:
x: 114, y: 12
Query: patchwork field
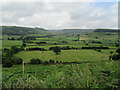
x: 94, y: 68
x: 65, y: 55
x: 9, y: 43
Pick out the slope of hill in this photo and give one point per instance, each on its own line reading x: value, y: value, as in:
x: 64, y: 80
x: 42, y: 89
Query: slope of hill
x: 70, y: 31
x: 107, y: 30
x: 17, y: 30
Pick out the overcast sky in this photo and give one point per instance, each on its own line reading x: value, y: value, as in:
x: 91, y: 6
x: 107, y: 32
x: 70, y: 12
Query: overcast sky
x: 59, y: 15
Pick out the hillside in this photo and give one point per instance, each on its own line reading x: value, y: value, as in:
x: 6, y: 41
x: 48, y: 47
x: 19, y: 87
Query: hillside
x: 17, y: 30
x: 107, y: 30
x: 70, y: 31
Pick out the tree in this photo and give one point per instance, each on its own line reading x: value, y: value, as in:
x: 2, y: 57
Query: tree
x: 116, y: 57
x: 51, y: 61
x: 7, y: 63
x: 46, y: 63
x: 35, y: 61
x: 7, y: 53
x: 23, y: 45
x: 111, y: 52
x: 17, y: 60
x: 56, y: 50
x: 99, y: 50
x: 118, y: 50
x: 96, y: 37
x: 116, y: 44
x: 14, y: 49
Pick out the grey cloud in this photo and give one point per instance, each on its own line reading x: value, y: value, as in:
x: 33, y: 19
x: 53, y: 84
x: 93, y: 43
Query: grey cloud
x: 59, y: 15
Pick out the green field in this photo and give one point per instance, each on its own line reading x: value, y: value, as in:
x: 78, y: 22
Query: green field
x: 98, y: 72
x: 65, y: 56
x: 9, y: 43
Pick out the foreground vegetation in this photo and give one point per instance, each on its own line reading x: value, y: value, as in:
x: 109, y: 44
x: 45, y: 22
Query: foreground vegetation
x: 86, y: 75
x: 60, y: 59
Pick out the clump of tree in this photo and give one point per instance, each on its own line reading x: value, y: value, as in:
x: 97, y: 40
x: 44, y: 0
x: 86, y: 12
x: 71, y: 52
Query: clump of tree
x: 101, y: 47
x: 17, y: 60
x: 39, y: 43
x: 117, y: 44
x: 96, y: 37
x: 116, y: 56
x: 35, y: 61
x: 99, y: 50
x: 36, y: 48
x: 56, y: 50
x: 111, y: 52
x: 9, y: 62
x: 38, y: 61
x: 24, y: 45
x: 15, y: 49
x: 6, y: 62
x: 118, y: 50
x: 64, y: 48
x: 7, y: 57
x: 96, y: 42
x: 52, y: 61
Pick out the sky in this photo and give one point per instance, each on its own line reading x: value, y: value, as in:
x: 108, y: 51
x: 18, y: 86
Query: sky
x: 61, y: 15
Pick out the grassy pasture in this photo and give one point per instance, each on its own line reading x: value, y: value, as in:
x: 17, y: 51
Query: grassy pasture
x: 102, y: 73
x: 100, y: 35
x: 9, y: 43
x: 65, y: 55
x: 5, y: 37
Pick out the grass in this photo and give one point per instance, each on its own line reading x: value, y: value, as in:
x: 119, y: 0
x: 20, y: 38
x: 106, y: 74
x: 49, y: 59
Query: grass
x: 65, y: 55
x: 99, y: 74
x: 88, y: 75
x: 9, y: 43
x: 5, y: 37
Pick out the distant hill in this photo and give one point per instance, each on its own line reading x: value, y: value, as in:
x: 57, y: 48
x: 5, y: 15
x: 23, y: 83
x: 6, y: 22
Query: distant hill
x: 107, y: 30
x: 70, y: 31
x: 76, y: 30
x: 17, y: 30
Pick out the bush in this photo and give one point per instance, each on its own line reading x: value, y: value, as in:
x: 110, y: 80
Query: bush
x: 46, y: 62
x: 7, y: 63
x: 51, y: 62
x: 17, y: 60
x: 99, y: 50
x: 115, y: 57
x: 35, y: 61
x: 118, y: 50
x: 57, y: 61
x: 111, y: 52
x: 56, y: 50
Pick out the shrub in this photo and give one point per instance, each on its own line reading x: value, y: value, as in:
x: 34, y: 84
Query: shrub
x: 15, y: 49
x: 111, y: 52
x: 46, y: 62
x: 7, y: 63
x: 115, y: 57
x: 23, y: 45
x: 57, y: 61
x: 51, y: 62
x: 35, y: 61
x: 17, y: 60
x: 56, y: 50
x: 99, y: 50
x: 118, y: 50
